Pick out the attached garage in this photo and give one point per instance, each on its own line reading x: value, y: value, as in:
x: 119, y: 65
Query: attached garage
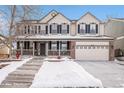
x: 92, y: 50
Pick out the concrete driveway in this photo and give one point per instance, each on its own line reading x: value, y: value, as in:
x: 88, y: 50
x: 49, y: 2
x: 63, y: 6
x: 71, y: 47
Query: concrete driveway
x: 110, y: 73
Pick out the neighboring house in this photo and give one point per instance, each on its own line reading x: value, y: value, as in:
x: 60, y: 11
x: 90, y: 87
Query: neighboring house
x: 4, y: 48
x: 56, y: 35
x: 115, y: 28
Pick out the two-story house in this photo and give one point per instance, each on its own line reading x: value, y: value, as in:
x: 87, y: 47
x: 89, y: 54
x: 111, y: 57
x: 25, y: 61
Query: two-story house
x: 56, y: 35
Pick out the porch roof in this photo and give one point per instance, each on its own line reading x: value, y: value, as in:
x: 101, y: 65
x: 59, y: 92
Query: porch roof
x: 61, y: 37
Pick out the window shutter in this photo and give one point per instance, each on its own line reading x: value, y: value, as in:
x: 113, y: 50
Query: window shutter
x: 39, y: 28
x: 50, y: 45
x: 25, y: 30
x: 86, y: 28
x: 68, y: 45
x: 67, y: 28
x: 46, y: 29
x: 96, y: 28
x: 50, y: 28
x: 18, y: 45
x: 60, y: 29
x: 78, y: 28
x: 57, y: 45
x: 89, y: 28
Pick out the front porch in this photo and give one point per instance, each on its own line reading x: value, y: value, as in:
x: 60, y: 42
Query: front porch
x: 45, y: 48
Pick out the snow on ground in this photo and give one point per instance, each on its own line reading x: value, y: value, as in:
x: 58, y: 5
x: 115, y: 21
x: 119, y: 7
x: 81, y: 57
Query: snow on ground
x: 64, y: 74
x: 109, y: 72
x: 10, y: 68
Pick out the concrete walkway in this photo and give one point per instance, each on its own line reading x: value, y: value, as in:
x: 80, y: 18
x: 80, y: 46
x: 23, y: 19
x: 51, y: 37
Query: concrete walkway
x: 24, y: 75
x: 110, y: 73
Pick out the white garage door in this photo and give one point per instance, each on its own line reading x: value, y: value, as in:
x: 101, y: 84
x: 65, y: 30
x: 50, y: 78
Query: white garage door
x: 92, y: 51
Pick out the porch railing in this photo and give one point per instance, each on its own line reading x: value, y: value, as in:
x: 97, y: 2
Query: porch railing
x: 56, y: 52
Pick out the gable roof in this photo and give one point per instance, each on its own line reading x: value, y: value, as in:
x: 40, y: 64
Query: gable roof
x: 53, y: 11
x: 91, y: 15
x: 61, y: 15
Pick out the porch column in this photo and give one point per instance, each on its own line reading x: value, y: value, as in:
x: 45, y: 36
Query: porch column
x: 46, y: 49
x: 59, y: 49
x: 33, y: 48
x: 22, y: 48
x: 38, y: 48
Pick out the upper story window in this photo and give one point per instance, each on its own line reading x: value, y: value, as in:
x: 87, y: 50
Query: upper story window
x: 82, y: 28
x: 91, y: 28
x: 59, y: 29
x: 54, y: 28
x: 28, y: 29
x: 64, y: 28
x: 35, y: 31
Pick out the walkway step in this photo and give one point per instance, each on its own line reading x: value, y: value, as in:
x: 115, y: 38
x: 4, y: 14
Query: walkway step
x: 32, y: 65
x: 24, y: 72
x: 28, y: 68
x: 17, y: 81
x: 19, y: 78
x: 21, y: 75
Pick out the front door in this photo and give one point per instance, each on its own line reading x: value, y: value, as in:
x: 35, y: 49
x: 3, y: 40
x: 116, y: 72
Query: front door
x: 42, y: 49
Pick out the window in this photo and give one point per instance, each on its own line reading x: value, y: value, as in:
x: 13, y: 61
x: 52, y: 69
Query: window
x: 63, y: 45
x: 35, y: 29
x: 93, y: 28
x: 81, y: 28
x: 64, y: 28
x: 54, y: 45
x: 87, y: 28
x: 53, y: 28
x: 43, y: 29
x: 26, y: 44
x: 32, y: 29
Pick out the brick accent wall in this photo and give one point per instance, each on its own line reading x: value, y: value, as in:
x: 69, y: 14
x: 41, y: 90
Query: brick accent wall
x: 72, y: 48
x: 111, y: 51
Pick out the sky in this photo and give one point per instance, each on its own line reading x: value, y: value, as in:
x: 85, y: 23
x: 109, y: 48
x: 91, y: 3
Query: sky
x: 74, y: 12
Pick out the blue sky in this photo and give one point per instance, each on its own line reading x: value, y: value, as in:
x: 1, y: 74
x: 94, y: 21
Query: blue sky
x: 75, y: 12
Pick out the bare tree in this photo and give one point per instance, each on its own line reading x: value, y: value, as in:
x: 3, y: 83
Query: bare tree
x: 16, y: 14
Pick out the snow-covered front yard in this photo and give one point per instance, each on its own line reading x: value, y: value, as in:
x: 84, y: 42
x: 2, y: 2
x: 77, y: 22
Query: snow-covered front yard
x: 64, y: 74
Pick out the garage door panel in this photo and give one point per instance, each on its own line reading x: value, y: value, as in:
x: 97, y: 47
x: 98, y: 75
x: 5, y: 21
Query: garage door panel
x: 98, y: 52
